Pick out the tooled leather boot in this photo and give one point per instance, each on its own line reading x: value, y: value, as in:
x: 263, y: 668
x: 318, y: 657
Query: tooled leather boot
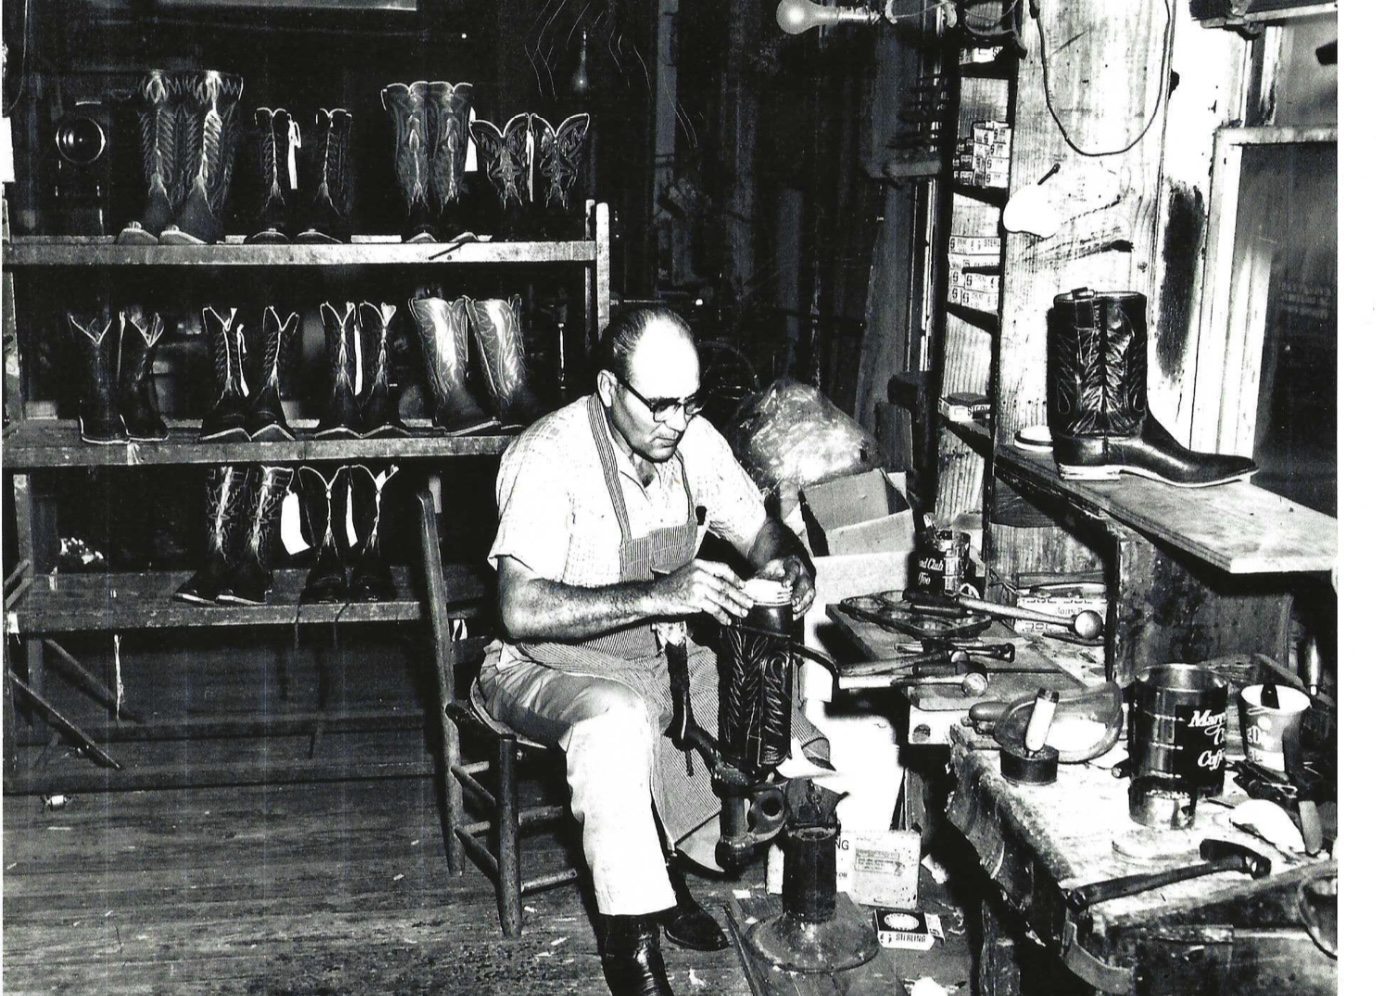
x: 264, y: 418
x: 443, y: 329
x: 225, y: 421
x: 329, y: 184
x: 324, y: 503
x: 502, y: 356
x: 224, y: 499
x: 158, y: 94
x: 276, y: 137
x: 380, y: 416
x: 406, y: 105
x: 371, y: 579
x: 506, y: 157
x: 209, y: 132
x: 342, y: 418
x: 631, y: 959
x: 97, y: 342
x: 561, y: 154
x: 1101, y: 423
x: 448, y: 117
x: 251, y: 577
x: 138, y: 341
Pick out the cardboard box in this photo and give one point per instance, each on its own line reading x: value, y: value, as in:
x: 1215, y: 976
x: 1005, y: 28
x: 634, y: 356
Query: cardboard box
x: 873, y: 867
x: 864, y: 513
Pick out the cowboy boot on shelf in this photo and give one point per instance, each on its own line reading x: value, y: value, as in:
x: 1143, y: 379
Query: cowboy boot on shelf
x: 371, y: 578
x: 329, y: 182
x: 158, y: 95
x: 448, y: 114
x: 276, y: 139
x: 206, y: 157
x: 251, y: 577
x: 138, y: 405
x: 97, y: 343
x: 379, y: 404
x: 406, y: 106
x: 224, y: 500
x: 225, y: 421
x: 342, y: 418
x: 507, y: 155
x: 324, y: 504
x: 502, y: 357
x: 561, y: 157
x: 443, y: 329
x: 1101, y: 423
x: 263, y: 415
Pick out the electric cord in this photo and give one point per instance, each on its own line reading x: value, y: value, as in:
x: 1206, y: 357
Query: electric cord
x: 1035, y: 11
x: 23, y: 63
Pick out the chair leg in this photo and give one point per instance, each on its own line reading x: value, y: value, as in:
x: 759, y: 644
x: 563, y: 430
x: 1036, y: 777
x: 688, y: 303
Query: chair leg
x: 508, y: 841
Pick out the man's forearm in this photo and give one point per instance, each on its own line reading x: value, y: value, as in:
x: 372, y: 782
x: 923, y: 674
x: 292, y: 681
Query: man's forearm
x: 775, y: 540
x: 550, y: 610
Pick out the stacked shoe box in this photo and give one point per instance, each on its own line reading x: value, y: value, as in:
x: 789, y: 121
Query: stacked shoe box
x: 983, y: 159
x: 974, y: 264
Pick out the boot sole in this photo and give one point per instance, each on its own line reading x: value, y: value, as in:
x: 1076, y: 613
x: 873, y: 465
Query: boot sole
x: 237, y: 600
x: 136, y: 237
x: 228, y: 435
x: 336, y: 434
x: 272, y: 432
x: 114, y: 441
x: 177, y: 237
x: 1113, y: 473
x: 182, y: 596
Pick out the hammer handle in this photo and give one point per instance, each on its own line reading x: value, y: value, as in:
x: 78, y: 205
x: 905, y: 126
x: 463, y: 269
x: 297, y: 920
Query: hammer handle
x: 1130, y: 885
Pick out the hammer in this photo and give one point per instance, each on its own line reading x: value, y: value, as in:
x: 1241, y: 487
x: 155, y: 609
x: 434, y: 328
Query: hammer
x: 973, y: 680
x: 1217, y: 856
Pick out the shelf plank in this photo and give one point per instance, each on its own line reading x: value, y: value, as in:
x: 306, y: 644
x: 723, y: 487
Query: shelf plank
x: 985, y: 320
x: 973, y: 434
x: 67, y: 603
x: 50, y: 443
x: 76, y: 251
x: 1238, y: 528
x: 997, y: 196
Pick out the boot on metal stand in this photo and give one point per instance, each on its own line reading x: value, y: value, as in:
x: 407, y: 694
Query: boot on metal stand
x: 507, y: 156
x: 379, y: 404
x: 342, y: 418
x: 502, y: 356
x: 158, y: 95
x: 443, y: 329
x: 448, y: 114
x: 1101, y: 423
x: 97, y: 342
x: 138, y: 405
x: 225, y: 421
x: 264, y: 418
x: 251, y: 577
x: 324, y: 505
x: 209, y: 129
x: 225, y: 523
x: 276, y: 138
x: 329, y: 182
x: 407, y: 107
x: 371, y: 579
x: 561, y: 161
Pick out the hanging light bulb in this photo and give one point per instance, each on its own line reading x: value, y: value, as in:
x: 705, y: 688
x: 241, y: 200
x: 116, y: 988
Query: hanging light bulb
x: 580, y: 84
x: 797, y: 16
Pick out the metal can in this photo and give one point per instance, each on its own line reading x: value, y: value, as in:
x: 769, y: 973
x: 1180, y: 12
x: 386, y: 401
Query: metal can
x: 1177, y: 725
x: 943, y: 561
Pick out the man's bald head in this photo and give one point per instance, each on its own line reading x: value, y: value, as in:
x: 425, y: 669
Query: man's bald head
x: 625, y: 332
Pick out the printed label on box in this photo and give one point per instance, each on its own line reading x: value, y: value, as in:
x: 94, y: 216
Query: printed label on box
x: 975, y: 245
x: 902, y: 928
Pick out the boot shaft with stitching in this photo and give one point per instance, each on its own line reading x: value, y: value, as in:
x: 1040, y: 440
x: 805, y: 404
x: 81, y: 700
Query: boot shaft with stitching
x: 328, y: 187
x: 508, y: 158
x: 226, y: 341
x: 276, y: 136
x: 224, y: 500
x: 379, y: 404
x: 496, y: 324
x: 138, y: 404
x: 443, y: 331
x: 208, y: 131
x: 251, y: 577
x: 406, y: 105
x: 263, y: 414
x: 158, y: 95
x: 447, y: 115
x: 561, y: 153
x: 632, y: 962
x: 371, y: 579
x: 324, y: 504
x: 96, y: 339
x: 341, y: 418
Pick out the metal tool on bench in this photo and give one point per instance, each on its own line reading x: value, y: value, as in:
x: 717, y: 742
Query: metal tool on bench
x: 894, y: 611
x: 1007, y: 722
x: 973, y: 680
x: 1029, y: 759
x: 1087, y: 625
x: 1217, y: 856
x: 971, y: 648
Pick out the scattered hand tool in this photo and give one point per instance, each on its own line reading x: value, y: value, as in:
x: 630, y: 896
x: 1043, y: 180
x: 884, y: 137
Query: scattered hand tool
x: 1088, y: 625
x: 972, y: 648
x: 1029, y: 760
x: 893, y: 611
x: 1217, y: 856
x: 973, y: 682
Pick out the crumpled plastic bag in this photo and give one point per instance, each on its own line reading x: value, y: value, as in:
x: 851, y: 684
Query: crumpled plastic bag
x: 789, y: 436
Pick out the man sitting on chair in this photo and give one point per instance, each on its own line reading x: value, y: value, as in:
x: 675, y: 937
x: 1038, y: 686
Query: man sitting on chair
x: 603, y: 505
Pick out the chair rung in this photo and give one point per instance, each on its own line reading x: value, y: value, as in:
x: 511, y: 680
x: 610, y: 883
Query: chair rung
x: 472, y: 784
x: 532, y: 817
x: 477, y: 767
x: 478, y: 851
x: 548, y: 881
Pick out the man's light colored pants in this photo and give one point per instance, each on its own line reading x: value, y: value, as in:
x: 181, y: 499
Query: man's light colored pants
x: 608, y: 737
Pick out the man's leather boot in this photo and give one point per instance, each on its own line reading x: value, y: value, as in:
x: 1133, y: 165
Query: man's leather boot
x: 264, y: 418
x: 225, y: 420
x: 138, y: 405
x: 448, y: 117
x: 502, y: 356
x: 342, y: 418
x: 443, y: 330
x: 371, y: 579
x: 329, y: 184
x: 561, y: 156
x: 251, y: 577
x: 324, y: 503
x: 506, y: 156
x: 631, y: 959
x: 209, y: 130
x: 686, y: 923
x: 97, y: 342
x: 158, y: 94
x: 406, y: 106
x: 380, y: 416
x: 276, y: 137
x: 1101, y: 423
x: 224, y: 503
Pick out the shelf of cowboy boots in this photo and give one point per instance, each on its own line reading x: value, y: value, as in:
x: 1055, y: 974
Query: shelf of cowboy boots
x: 47, y: 443
x: 68, y: 603
x: 381, y: 250
x: 1236, y: 527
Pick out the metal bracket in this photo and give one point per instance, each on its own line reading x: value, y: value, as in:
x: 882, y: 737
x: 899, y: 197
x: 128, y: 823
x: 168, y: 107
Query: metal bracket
x: 1098, y: 973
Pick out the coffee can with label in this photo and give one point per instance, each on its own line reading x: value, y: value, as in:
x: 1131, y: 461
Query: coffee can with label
x: 1177, y: 726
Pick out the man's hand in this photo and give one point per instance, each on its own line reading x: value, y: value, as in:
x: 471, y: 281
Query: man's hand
x: 701, y: 586
x: 792, y: 570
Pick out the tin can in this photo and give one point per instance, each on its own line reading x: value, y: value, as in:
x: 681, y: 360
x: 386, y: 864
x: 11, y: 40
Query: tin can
x: 1177, y: 725
x: 943, y: 561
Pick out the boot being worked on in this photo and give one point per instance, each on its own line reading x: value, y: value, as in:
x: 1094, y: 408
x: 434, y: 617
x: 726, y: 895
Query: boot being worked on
x: 251, y: 577
x: 138, y: 405
x: 224, y: 508
x: 1101, y: 423
x: 97, y: 340
x: 225, y: 420
x: 209, y: 132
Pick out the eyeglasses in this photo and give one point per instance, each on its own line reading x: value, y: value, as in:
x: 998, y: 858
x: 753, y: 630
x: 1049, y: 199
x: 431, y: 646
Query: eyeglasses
x: 662, y: 408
